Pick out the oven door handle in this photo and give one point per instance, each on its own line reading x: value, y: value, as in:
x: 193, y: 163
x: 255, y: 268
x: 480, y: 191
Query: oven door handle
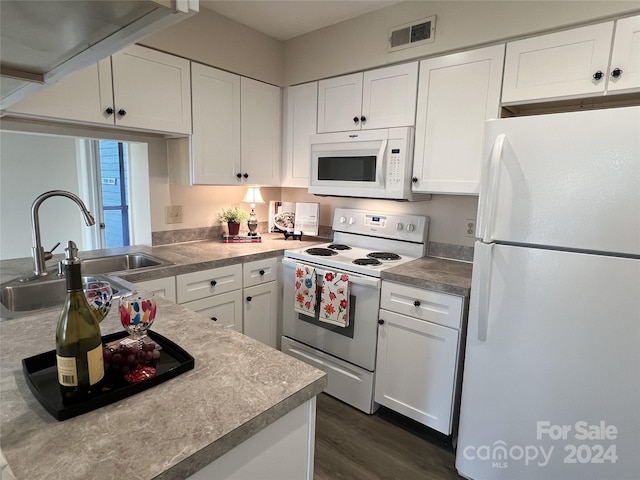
x: 354, y: 278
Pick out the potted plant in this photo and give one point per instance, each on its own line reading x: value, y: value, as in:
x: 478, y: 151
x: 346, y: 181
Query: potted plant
x: 234, y: 217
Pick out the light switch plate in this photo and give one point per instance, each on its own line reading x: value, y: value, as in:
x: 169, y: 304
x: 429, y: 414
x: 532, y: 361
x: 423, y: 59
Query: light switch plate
x: 173, y: 214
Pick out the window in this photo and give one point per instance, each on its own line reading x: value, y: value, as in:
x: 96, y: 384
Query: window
x: 114, y: 178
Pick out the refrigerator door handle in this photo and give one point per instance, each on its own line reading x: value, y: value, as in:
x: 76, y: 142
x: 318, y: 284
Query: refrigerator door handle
x: 479, y: 309
x: 488, y: 190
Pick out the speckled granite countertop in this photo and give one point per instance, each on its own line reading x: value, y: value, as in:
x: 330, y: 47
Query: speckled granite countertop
x: 238, y: 387
x: 447, y: 276
x: 184, y: 257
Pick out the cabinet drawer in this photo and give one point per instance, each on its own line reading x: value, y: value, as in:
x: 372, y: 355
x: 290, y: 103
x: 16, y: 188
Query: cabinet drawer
x: 260, y: 271
x: 197, y: 285
x: 224, y: 309
x: 435, y: 307
x: 165, y: 287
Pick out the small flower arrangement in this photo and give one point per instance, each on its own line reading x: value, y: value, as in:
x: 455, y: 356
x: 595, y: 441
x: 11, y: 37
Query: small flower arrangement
x: 234, y: 215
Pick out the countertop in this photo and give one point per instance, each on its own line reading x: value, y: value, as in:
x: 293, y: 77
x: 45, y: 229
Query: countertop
x: 238, y: 387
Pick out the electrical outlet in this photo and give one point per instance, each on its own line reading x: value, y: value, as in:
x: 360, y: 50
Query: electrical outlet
x: 173, y: 214
x: 470, y: 228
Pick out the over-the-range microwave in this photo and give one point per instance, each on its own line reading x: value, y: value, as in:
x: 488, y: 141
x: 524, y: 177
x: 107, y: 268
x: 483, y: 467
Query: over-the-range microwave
x: 364, y: 163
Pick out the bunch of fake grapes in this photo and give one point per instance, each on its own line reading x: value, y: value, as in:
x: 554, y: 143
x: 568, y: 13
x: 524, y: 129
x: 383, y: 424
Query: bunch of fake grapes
x: 136, y: 362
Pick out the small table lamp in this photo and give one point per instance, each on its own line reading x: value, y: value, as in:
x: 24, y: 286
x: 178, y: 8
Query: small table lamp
x: 252, y: 197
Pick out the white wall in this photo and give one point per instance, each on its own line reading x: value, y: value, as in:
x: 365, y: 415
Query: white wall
x: 361, y: 43
x: 29, y: 166
x: 215, y: 40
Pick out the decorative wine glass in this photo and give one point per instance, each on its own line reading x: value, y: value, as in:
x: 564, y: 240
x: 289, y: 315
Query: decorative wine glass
x: 99, y: 295
x: 137, y: 312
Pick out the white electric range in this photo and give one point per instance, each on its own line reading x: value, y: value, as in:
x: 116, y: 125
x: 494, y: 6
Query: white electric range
x: 364, y: 244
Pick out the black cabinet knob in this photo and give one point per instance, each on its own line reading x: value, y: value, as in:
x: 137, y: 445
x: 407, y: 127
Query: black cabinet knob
x: 261, y: 272
x: 380, y: 322
x: 248, y: 299
x: 414, y: 179
x: 215, y: 319
x: 109, y: 111
x: 416, y: 303
x: 246, y: 175
x: 363, y: 118
x: 213, y: 283
x: 616, y: 72
x: 598, y: 75
x: 356, y: 119
x: 122, y: 112
x: 239, y: 175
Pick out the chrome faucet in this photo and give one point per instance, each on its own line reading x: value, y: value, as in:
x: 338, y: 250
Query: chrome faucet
x: 39, y: 255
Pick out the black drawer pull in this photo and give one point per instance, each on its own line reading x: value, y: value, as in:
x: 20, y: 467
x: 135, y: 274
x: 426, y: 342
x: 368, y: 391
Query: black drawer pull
x: 215, y: 319
x: 416, y: 303
x: 248, y: 299
x: 380, y: 322
x: 261, y: 272
x: 213, y: 283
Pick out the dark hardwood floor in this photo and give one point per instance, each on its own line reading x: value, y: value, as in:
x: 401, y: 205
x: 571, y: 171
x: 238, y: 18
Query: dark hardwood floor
x: 351, y: 445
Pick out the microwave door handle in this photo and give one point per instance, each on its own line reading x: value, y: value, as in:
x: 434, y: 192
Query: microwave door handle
x: 381, y: 163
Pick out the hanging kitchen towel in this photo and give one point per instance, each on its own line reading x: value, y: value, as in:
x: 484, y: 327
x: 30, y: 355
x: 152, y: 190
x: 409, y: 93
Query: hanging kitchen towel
x: 334, y: 299
x: 305, y: 285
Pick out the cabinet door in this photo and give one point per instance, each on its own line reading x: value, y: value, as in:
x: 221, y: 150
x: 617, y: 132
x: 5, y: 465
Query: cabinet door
x: 260, y: 310
x: 224, y: 309
x: 389, y: 96
x: 153, y: 89
x: 300, y: 108
x: 416, y: 369
x: 340, y: 103
x: 261, y: 120
x: 216, y: 126
x: 558, y: 65
x: 625, y: 56
x: 165, y: 287
x: 456, y: 95
x: 82, y: 96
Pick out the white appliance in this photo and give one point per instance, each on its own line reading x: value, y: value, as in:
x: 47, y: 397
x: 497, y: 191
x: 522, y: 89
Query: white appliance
x: 363, y: 163
x: 364, y: 244
x: 551, y: 385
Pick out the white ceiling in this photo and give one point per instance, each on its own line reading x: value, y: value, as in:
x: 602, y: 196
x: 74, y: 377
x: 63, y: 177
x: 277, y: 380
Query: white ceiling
x: 287, y: 19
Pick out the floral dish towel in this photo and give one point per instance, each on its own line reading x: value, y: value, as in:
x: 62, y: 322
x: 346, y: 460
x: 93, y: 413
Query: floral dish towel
x: 305, y: 285
x: 334, y: 300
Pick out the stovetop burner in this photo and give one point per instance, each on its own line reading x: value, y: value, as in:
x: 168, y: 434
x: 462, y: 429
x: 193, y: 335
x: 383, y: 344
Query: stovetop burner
x: 384, y: 255
x: 339, y: 246
x: 321, y: 252
x: 367, y: 261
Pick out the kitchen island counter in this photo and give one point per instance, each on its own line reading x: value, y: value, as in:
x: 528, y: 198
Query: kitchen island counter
x: 237, y: 388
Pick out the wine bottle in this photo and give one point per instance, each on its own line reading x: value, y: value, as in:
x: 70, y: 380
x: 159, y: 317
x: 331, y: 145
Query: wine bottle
x: 78, y: 341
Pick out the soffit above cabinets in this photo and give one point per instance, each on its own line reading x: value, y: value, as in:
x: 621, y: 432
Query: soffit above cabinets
x: 42, y: 41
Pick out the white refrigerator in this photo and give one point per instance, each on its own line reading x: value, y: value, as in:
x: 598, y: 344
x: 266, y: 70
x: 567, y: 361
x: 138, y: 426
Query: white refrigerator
x: 551, y: 382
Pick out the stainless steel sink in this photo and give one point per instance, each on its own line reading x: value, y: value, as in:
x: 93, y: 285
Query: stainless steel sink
x: 25, y: 296
x: 120, y: 263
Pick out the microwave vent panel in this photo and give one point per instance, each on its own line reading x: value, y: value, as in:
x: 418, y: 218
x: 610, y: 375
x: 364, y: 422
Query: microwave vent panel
x: 412, y: 34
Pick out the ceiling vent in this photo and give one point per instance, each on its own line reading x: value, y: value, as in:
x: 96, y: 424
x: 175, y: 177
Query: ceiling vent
x: 412, y: 34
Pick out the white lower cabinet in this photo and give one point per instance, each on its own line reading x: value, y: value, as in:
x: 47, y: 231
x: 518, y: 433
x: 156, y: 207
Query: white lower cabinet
x: 165, y: 287
x: 260, y: 303
x: 215, y: 293
x: 419, y: 354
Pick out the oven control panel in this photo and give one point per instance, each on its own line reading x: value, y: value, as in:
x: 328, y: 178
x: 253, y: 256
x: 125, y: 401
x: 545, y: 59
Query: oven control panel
x: 397, y: 226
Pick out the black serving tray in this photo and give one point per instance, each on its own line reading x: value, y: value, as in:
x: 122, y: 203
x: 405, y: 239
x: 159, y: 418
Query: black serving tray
x: 41, y: 374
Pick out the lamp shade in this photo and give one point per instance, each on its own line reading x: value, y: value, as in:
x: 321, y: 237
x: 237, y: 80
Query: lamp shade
x: 253, y: 196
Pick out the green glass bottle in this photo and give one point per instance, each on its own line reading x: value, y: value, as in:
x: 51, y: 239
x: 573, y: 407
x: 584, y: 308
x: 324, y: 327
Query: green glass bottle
x: 78, y: 340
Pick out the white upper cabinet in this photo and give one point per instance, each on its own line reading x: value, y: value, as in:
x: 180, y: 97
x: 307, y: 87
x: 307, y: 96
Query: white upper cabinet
x: 457, y: 93
x: 624, y: 70
x: 216, y: 126
x: 151, y: 90
x: 300, y: 107
x: 382, y: 98
x: 260, y: 133
x: 574, y: 63
x: 82, y: 96
x: 137, y: 88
